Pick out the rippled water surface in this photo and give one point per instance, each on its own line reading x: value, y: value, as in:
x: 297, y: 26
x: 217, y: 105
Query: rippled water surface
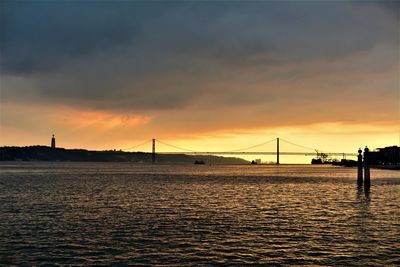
x: 107, y: 213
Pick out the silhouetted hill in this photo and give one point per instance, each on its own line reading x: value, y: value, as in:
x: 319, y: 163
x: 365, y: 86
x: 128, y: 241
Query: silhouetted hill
x: 45, y: 153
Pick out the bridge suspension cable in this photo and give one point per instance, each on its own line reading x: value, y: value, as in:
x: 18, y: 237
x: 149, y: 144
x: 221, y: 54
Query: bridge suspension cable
x: 250, y: 147
x: 241, y: 151
x: 176, y: 147
x: 305, y: 147
x: 318, y: 151
x: 236, y: 150
x: 138, y: 145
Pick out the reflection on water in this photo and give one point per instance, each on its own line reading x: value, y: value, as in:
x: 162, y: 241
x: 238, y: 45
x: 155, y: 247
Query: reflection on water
x: 89, y: 213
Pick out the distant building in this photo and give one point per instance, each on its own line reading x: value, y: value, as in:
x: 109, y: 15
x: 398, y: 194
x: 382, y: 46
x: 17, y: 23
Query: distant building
x: 53, y: 142
x: 386, y: 156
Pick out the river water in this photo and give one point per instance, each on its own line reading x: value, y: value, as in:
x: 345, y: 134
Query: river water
x: 125, y: 214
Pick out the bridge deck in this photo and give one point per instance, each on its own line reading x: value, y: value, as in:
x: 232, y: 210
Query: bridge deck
x: 261, y: 153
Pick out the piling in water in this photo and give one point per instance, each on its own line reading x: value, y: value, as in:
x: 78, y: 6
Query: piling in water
x: 360, y: 169
x: 367, y: 179
x: 153, y: 151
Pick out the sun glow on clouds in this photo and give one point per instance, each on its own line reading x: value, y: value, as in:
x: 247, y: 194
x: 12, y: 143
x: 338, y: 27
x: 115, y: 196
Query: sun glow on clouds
x: 76, y: 128
x: 102, y: 120
x: 104, y: 130
x: 321, y: 136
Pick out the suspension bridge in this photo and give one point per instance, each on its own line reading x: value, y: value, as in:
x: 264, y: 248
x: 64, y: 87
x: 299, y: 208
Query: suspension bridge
x: 247, y: 150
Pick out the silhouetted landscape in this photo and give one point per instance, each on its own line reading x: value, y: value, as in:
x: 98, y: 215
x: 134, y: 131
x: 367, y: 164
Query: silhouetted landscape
x: 46, y: 153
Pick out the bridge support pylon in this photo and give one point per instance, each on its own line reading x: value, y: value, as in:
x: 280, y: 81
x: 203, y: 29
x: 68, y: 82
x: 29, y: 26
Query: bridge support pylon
x: 153, y: 151
x: 277, y: 151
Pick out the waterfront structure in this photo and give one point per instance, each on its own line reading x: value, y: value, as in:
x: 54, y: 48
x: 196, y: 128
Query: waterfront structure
x: 385, y: 156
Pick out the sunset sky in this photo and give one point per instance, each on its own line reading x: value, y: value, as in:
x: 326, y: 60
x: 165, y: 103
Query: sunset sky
x: 202, y: 75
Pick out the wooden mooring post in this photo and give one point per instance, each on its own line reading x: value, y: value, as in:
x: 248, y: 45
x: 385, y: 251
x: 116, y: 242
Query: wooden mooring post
x: 367, y: 178
x: 153, y: 151
x: 360, y: 169
x: 363, y: 163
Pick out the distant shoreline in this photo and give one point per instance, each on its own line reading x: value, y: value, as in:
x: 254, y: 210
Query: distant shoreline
x: 48, y: 154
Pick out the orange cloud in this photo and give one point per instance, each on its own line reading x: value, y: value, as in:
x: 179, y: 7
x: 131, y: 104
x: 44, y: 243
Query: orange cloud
x: 106, y: 120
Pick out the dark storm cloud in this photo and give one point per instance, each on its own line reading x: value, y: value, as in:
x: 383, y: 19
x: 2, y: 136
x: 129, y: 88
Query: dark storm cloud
x: 41, y: 35
x: 391, y: 7
x: 134, y: 55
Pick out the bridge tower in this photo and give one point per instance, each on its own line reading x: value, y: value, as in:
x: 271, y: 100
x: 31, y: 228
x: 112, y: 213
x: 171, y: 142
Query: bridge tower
x: 277, y: 151
x: 153, y: 151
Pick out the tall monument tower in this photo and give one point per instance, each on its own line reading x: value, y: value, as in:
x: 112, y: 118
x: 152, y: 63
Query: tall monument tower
x: 53, y: 142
